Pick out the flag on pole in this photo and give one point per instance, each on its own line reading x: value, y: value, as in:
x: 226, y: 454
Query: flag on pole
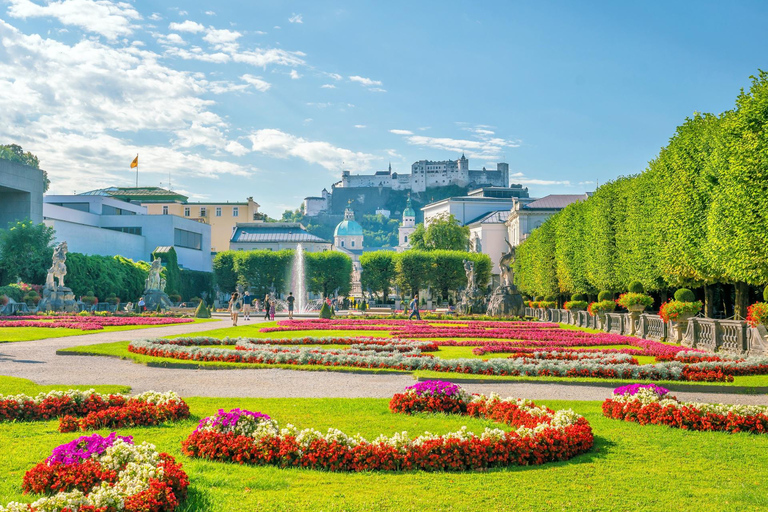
x: 135, y: 162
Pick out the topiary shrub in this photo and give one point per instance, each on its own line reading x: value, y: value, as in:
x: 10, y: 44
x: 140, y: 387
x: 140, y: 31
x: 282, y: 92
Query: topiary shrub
x: 113, y: 299
x: 539, y: 298
x: 636, y: 287
x: 604, y: 295
x: 325, y: 311
x: 550, y: 298
x: 202, y: 310
x: 89, y: 298
x: 3, y: 300
x: 578, y: 297
x: 12, y: 292
x: 685, y: 295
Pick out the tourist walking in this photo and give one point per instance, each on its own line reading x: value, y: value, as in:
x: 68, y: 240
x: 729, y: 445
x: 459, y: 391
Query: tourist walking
x: 266, y: 307
x: 142, y: 305
x: 234, y: 308
x: 414, y: 307
x: 247, y: 299
x: 272, y: 306
x: 291, y: 299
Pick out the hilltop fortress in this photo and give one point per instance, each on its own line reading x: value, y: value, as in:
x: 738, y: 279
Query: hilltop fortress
x: 372, y: 190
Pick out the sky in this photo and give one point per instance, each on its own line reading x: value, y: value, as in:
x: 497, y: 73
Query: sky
x: 273, y: 99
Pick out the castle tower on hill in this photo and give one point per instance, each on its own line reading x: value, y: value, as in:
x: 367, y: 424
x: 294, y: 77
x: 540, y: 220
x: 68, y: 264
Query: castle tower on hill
x: 407, y: 227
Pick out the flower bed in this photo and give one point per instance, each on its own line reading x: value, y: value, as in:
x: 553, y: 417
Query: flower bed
x: 102, y: 474
x: 541, y: 435
x: 86, y: 323
x: 653, y: 405
x: 88, y: 410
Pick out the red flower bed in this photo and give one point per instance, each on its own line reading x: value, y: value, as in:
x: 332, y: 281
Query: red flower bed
x: 55, y: 407
x: 133, y: 414
x: 87, y: 323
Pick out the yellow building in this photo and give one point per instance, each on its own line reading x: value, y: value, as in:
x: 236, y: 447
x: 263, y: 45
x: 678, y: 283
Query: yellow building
x: 223, y: 217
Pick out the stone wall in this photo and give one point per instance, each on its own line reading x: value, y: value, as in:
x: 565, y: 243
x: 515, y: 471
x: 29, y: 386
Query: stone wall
x: 21, y: 193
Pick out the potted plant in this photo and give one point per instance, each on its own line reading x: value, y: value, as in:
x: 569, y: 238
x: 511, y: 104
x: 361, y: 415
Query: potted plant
x: 89, y: 298
x: 604, y: 304
x: 578, y: 302
x: 635, y: 300
x: 679, y: 311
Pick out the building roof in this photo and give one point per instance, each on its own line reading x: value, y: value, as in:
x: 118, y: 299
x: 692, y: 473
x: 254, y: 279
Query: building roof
x: 264, y: 232
x: 497, y: 217
x: 348, y: 228
x: 142, y: 194
x: 554, y: 201
x: 161, y: 249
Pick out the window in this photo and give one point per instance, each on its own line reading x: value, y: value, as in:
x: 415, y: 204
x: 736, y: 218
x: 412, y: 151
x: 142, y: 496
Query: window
x: 132, y: 231
x: 188, y: 239
x: 342, y: 243
x: 218, y: 211
x: 165, y: 210
x: 405, y: 239
x: 235, y: 211
x: 203, y: 211
x: 186, y: 211
x: 353, y: 243
x: 83, y: 207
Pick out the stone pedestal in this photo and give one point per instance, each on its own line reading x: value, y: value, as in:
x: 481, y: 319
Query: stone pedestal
x: 506, y: 301
x: 472, y: 302
x: 679, y: 326
x: 154, y: 297
x: 634, y: 317
x: 60, y: 298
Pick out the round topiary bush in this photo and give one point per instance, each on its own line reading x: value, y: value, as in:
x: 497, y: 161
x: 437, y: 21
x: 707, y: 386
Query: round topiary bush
x: 579, y: 297
x: 604, y: 295
x: 685, y: 295
x: 636, y: 287
x: 550, y: 298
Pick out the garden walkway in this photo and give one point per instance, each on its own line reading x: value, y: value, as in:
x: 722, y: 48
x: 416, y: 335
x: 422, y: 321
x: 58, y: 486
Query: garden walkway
x: 37, y: 361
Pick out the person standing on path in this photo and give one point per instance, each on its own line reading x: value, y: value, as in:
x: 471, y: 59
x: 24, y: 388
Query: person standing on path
x: 247, y: 306
x: 142, y: 305
x: 291, y: 299
x: 414, y: 306
x: 266, y: 307
x: 234, y: 308
x: 272, y: 307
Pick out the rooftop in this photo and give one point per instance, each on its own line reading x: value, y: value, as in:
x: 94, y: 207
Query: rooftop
x: 555, y: 201
x: 261, y: 232
x: 497, y: 217
x: 143, y: 194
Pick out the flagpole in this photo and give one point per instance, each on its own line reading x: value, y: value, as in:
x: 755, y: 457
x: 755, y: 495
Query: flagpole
x: 137, y: 170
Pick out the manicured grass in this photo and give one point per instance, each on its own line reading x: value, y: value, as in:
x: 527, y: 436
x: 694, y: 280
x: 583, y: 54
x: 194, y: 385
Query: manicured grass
x: 11, y: 334
x: 631, y: 467
x: 17, y: 385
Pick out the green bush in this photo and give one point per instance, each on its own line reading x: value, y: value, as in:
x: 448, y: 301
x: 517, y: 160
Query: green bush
x: 636, y: 287
x: 325, y: 311
x: 604, y: 295
x: 685, y: 295
x: 202, y: 310
x: 550, y: 298
x: 578, y: 297
x: 765, y: 294
x: 12, y: 292
x: 576, y: 305
x: 3, y: 300
x: 89, y: 298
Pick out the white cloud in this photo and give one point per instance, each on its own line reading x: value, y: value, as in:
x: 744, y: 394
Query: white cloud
x: 259, y: 32
x: 364, y: 81
x: 335, y: 76
x: 377, y: 89
x: 221, y: 36
x: 485, y: 145
x: 327, y: 86
x: 319, y: 105
x: 187, y: 26
x: 295, y: 75
x: 155, y: 16
x: 197, y: 53
x: 276, y: 27
x: 170, y: 39
x: 279, y: 144
x: 256, y: 82
x: 263, y: 57
x: 222, y: 86
x: 296, y: 18
x: 210, y: 13
x: 109, y: 19
x: 183, y: 13
x: 359, y: 126
x: 401, y: 132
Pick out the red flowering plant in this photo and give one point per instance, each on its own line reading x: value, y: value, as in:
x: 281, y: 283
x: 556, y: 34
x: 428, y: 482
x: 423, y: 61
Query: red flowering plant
x: 540, y: 435
x: 673, y: 309
x: 629, y: 299
x: 603, y: 306
x: 431, y: 396
x: 757, y: 314
x: 576, y: 305
x: 650, y: 404
x: 101, y: 474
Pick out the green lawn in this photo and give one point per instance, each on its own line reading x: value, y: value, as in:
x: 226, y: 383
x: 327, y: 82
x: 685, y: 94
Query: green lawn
x: 631, y: 468
x: 11, y: 334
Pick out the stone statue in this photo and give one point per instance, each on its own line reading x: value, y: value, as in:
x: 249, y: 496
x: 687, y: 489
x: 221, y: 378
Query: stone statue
x: 505, y: 265
x: 469, y: 269
x: 58, y: 267
x: 154, y: 281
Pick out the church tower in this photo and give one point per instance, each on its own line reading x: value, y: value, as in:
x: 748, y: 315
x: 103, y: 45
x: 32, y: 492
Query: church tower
x: 348, y: 233
x: 407, y: 227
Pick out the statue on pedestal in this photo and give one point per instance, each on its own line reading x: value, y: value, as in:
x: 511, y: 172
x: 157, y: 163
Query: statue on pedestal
x: 506, y: 300
x: 57, y: 297
x: 154, y: 292
x: 472, y: 299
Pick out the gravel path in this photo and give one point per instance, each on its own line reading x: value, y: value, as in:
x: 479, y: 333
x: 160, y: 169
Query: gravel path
x: 37, y: 361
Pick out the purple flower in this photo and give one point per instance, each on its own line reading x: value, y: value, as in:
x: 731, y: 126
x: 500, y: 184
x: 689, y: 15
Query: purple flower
x: 632, y: 389
x: 435, y: 388
x: 84, y: 447
x: 230, y: 419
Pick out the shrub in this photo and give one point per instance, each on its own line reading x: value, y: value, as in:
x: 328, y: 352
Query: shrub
x: 636, y: 287
x: 765, y: 294
x: 604, y: 295
x: 547, y: 304
x: 685, y: 295
x: 757, y: 314
x: 550, y: 298
x: 113, y: 299
x: 12, y: 292
x: 578, y: 297
x: 195, y: 299
x: 602, y: 306
x: 628, y: 299
x: 175, y: 297
x: 202, y: 310
x: 672, y: 309
x: 89, y: 299
x: 3, y: 300
x: 576, y: 305
x: 325, y: 311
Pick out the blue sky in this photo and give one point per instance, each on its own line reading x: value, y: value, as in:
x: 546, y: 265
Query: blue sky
x: 273, y: 99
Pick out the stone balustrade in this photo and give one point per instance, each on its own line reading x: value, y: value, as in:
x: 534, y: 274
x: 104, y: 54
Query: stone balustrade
x: 727, y: 336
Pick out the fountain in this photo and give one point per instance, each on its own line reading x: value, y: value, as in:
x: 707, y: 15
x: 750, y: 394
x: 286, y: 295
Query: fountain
x: 299, y: 284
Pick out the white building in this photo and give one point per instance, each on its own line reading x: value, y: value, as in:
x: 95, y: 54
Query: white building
x: 348, y: 238
x: 275, y: 236
x: 527, y: 216
x: 428, y: 173
x: 109, y: 227
x: 487, y: 234
x: 316, y: 205
x: 476, y: 204
x: 407, y: 227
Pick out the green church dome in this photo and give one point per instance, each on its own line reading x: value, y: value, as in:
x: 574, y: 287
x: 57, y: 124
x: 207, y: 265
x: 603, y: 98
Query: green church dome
x: 348, y: 228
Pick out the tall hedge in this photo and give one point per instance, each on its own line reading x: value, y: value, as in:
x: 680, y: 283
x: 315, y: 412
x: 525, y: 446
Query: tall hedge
x: 697, y: 216
x: 328, y: 272
x: 105, y: 275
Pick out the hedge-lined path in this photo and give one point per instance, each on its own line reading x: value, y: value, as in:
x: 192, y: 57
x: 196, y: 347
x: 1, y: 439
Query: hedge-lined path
x: 37, y: 361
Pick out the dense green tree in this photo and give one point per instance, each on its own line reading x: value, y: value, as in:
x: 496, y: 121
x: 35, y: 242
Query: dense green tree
x: 224, y: 271
x: 263, y: 271
x: 25, y: 252
x: 378, y: 272
x: 328, y: 272
x: 412, y: 271
x: 444, y: 232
